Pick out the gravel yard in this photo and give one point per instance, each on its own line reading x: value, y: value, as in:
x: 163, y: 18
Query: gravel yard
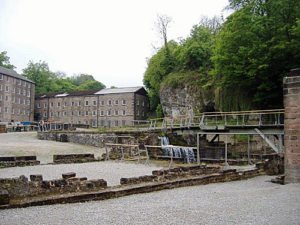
x: 253, y: 201
x: 109, y: 171
x: 26, y: 143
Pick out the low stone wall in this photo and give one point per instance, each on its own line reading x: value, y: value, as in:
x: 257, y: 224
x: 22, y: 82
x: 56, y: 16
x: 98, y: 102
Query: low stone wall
x: 73, y: 158
x: 12, y: 161
x: 144, y: 187
x: 171, y: 174
x: 21, y: 187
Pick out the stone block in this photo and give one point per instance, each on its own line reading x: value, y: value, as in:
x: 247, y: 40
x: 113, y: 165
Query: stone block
x: 68, y: 175
x: 4, y: 197
x: 36, y: 177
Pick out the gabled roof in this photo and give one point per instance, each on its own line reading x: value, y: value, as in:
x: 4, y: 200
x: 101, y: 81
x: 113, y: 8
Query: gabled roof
x: 12, y: 73
x: 119, y: 90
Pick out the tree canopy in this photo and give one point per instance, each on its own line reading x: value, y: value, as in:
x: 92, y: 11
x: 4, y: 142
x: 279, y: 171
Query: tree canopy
x: 4, y: 61
x: 47, y: 81
x: 244, y: 58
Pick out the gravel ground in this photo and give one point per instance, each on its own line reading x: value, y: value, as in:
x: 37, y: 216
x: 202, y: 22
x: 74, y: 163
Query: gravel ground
x: 253, y: 201
x: 109, y: 171
x: 26, y: 143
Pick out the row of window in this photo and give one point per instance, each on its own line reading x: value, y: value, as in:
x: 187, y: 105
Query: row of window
x: 18, y: 90
x: 15, y: 100
x: 87, y: 113
x: 17, y: 111
x: 102, y: 123
x: 87, y: 103
x: 15, y: 81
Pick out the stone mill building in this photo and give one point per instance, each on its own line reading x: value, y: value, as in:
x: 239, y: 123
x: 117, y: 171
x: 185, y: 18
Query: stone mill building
x: 16, y: 96
x: 111, y: 107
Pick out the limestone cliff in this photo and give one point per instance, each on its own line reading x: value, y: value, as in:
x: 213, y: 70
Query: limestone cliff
x: 177, y: 100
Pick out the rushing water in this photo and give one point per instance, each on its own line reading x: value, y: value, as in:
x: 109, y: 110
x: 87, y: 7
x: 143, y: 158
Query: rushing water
x: 185, y: 153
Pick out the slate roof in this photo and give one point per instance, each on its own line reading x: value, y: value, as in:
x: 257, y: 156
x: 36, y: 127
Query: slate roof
x: 93, y: 92
x: 119, y: 90
x: 12, y: 73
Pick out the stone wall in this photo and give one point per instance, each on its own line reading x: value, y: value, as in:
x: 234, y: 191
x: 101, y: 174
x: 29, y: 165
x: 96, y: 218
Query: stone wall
x: 22, y: 187
x: 73, y: 158
x: 292, y: 126
x: 12, y: 161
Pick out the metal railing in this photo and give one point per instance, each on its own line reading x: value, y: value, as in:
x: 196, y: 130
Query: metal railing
x: 255, y: 118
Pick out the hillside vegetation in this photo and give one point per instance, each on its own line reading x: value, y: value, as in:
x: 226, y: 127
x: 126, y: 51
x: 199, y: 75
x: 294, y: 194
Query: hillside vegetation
x: 243, y: 58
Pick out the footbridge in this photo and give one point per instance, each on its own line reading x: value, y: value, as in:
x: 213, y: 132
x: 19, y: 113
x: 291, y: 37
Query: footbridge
x: 267, y: 124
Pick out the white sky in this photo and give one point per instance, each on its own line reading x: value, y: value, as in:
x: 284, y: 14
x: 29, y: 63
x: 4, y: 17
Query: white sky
x: 109, y: 39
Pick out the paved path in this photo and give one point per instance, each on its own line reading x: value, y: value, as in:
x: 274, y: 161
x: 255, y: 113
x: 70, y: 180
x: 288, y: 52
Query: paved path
x: 253, y: 201
x: 26, y: 143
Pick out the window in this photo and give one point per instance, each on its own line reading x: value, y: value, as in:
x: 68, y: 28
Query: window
x: 123, y: 102
x: 12, y: 111
x: 102, y: 102
x: 116, y: 123
x: 138, y: 113
x: 108, y: 112
x: 51, y: 114
x: 24, y: 102
x: 1, y: 77
x: 86, y: 113
x: 6, y: 98
x: 116, y: 102
x: 79, y: 103
x: 58, y: 104
x: 51, y: 104
x: 79, y: 113
x: 94, y: 123
x: 6, y: 88
x: 45, y: 114
x: 65, y: 103
x: 102, y: 123
x: 137, y: 102
x: 19, y: 100
x: 72, y: 103
x: 109, y: 102
x: 58, y: 114
x: 123, y: 122
x: 24, y: 83
x: 19, y: 82
x: 94, y: 113
x: 28, y: 93
x: 65, y: 113
x: 94, y: 102
x: 1, y: 87
x: 24, y: 92
x: 1, y: 98
x: 116, y: 112
x: 28, y: 102
x: 143, y: 103
x: 45, y: 105
x: 5, y: 110
x: 72, y: 113
x: 86, y: 103
x: 124, y: 112
x: 28, y: 85
x: 19, y: 91
x: 102, y: 113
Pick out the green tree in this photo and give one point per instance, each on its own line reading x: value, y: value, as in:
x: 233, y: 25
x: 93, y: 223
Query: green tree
x: 4, y: 61
x: 255, y: 49
x: 39, y: 73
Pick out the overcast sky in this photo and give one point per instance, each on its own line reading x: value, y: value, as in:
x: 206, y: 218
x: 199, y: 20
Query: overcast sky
x: 108, y: 39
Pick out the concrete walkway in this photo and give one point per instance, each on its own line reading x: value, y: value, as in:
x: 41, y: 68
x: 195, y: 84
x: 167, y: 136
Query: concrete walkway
x: 26, y: 143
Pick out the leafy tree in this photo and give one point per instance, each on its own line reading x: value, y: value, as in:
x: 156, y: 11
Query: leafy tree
x: 4, y: 61
x: 257, y: 46
x: 47, y: 81
x: 39, y: 73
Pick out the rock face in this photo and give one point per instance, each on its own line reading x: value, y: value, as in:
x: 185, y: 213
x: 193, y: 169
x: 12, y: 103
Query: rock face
x: 178, y: 101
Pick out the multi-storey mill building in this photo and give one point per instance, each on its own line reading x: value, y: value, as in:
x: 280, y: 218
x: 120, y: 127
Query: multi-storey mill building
x: 16, y: 97
x: 111, y: 107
